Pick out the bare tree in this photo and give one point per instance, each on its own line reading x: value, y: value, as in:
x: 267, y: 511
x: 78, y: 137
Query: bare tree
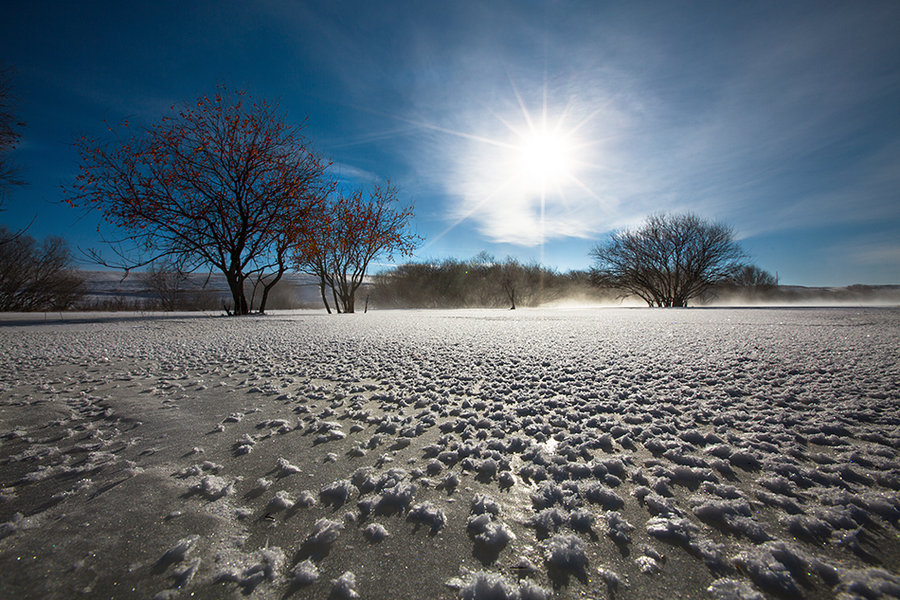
x: 167, y: 281
x: 511, y: 280
x: 9, y: 134
x: 36, y: 276
x: 668, y: 260
x: 224, y: 184
x: 351, y: 230
x: 751, y: 276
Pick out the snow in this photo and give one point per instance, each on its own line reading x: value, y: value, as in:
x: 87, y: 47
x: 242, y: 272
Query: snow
x: 281, y: 501
x: 566, y: 552
x: 428, y: 514
x: 305, y: 573
x: 375, y: 532
x: 485, y: 585
x: 720, y: 453
x: 259, y: 567
x: 325, y: 532
x: 337, y: 492
x: 345, y: 586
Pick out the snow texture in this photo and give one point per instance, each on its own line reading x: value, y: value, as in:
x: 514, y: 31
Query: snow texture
x: 487, y: 585
x: 722, y: 453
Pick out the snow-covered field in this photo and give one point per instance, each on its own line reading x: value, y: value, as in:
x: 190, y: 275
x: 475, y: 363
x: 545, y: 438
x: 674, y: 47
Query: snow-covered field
x: 593, y: 453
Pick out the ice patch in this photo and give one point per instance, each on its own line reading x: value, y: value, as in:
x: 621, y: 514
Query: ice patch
x: 487, y: 531
x: 774, y: 565
x: 306, y: 499
x: 482, y: 503
x: 178, y: 552
x: 617, y: 528
x: 598, y: 494
x: 8, y: 528
x: 611, y: 579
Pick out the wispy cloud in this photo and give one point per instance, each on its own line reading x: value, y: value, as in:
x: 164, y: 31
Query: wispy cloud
x: 765, y: 134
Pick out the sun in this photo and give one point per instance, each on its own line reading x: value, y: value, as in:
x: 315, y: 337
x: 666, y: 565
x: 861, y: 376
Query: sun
x: 546, y: 157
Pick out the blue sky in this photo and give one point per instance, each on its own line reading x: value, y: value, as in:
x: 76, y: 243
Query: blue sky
x: 778, y: 118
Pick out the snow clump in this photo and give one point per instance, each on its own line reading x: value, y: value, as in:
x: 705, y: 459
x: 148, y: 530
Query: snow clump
x: 305, y: 573
x: 213, y: 487
x: 281, y: 501
x: 285, y: 468
x: 263, y: 565
x: 566, y: 552
x: 375, y: 532
x: 325, y: 532
x: 486, y: 585
x: 337, y: 492
x: 732, y: 589
x: 345, y: 586
x: 428, y: 514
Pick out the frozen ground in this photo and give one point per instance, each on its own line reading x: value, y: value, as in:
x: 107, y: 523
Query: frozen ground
x: 718, y: 453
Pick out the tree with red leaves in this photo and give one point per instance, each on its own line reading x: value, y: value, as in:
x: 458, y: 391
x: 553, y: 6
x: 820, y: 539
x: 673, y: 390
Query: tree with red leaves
x: 353, y: 228
x: 224, y: 184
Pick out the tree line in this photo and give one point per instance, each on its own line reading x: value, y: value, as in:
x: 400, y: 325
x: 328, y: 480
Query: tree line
x: 481, y: 281
x: 667, y: 261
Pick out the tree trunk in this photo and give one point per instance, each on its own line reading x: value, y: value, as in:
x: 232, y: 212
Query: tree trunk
x: 266, y: 288
x: 322, y: 291
x: 236, y: 284
x: 337, y: 304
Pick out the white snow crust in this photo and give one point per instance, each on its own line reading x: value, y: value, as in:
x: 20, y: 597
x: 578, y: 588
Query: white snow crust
x: 740, y: 454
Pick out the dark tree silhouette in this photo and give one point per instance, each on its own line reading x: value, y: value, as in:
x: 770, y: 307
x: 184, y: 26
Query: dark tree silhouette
x: 174, y: 289
x: 481, y: 281
x: 751, y: 276
x: 351, y: 230
x: 224, y: 184
x: 9, y: 134
x: 36, y: 276
x: 668, y: 260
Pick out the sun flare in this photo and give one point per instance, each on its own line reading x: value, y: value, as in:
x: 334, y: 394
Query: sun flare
x: 546, y: 157
x: 524, y: 172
